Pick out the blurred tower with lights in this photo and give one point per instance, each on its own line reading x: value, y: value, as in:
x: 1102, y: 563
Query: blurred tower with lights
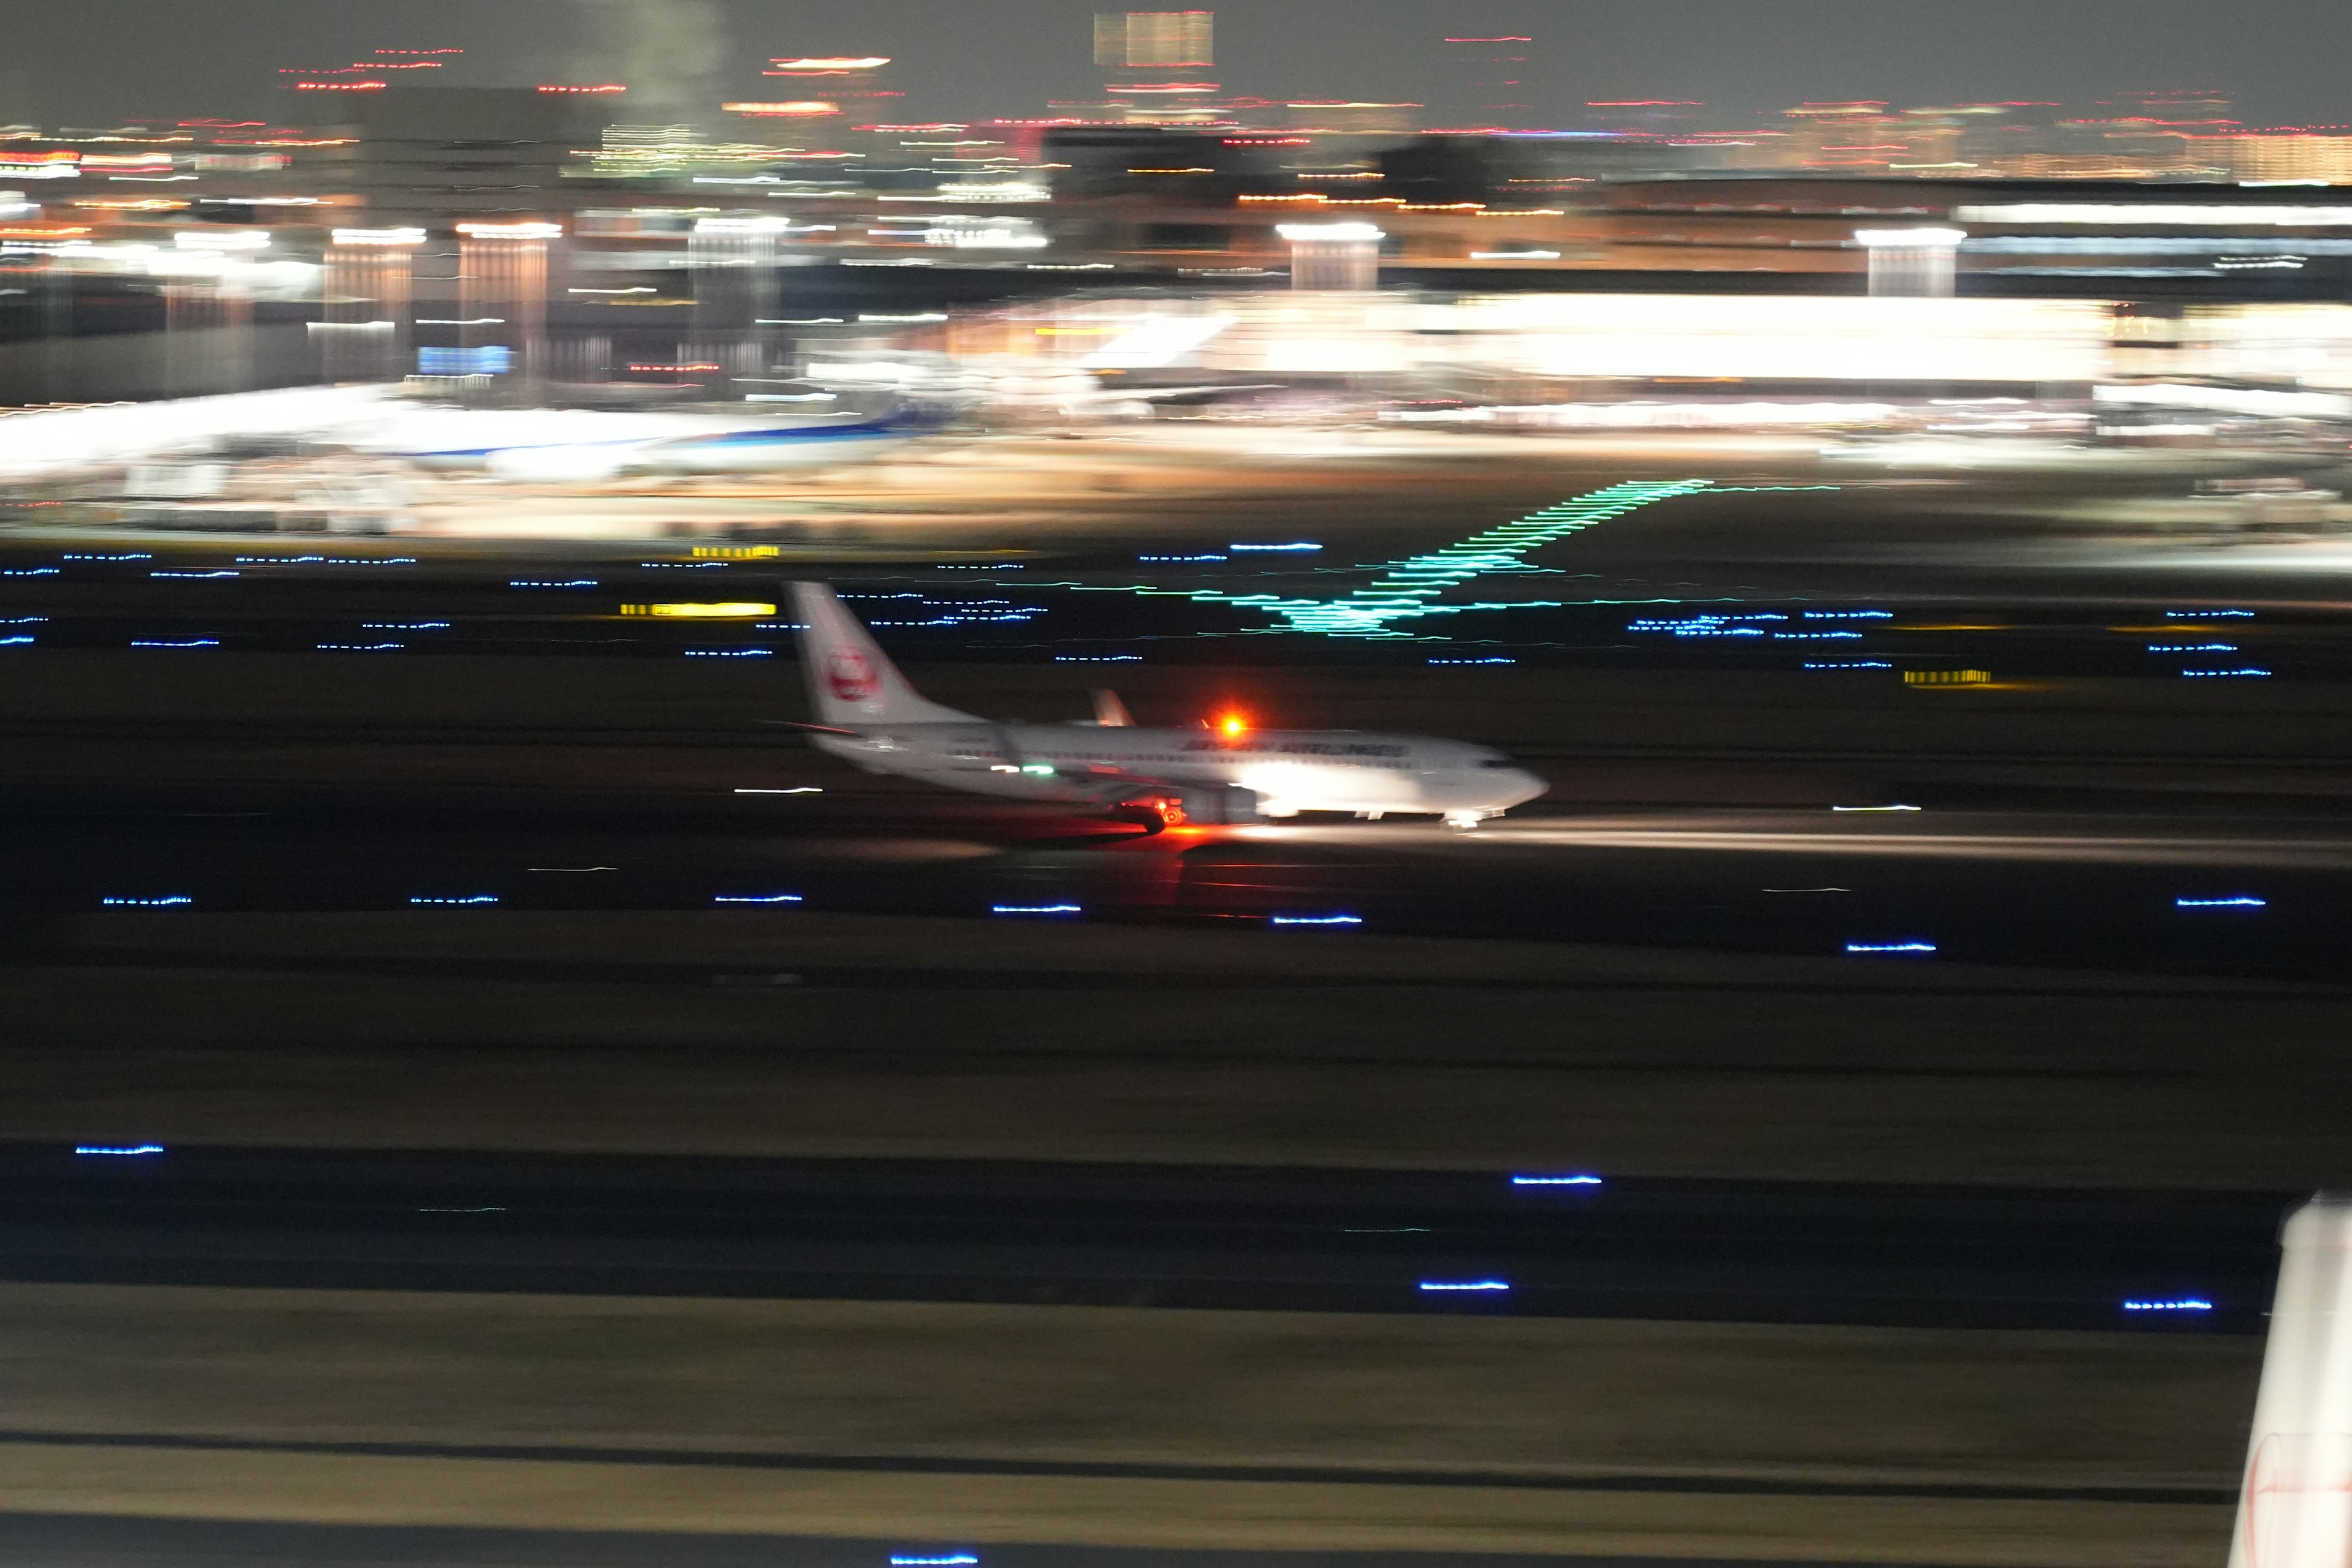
x: 1332, y: 257
x: 1485, y: 80
x: 1155, y: 40
x: 1918, y: 263
x: 366, y: 291
x: 733, y: 264
x: 502, y: 299
x: 1155, y: 60
x: 208, y: 311
x: 853, y: 84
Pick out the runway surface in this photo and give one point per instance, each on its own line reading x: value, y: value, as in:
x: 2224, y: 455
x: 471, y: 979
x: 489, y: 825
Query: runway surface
x: 1546, y: 1243
x: 2179, y: 892
x: 68, y: 1541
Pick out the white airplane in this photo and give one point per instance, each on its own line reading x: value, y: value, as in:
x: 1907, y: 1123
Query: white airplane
x: 582, y: 444
x: 867, y: 714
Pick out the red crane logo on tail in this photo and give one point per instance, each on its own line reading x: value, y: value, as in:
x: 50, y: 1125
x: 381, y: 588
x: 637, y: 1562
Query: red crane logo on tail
x: 850, y: 673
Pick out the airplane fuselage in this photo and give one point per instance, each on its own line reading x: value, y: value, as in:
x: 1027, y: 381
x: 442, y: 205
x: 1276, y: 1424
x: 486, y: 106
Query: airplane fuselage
x: 1289, y: 770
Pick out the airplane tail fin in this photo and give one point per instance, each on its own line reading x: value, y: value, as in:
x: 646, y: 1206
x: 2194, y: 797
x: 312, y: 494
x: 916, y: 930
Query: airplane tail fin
x: 851, y: 681
x: 1109, y: 712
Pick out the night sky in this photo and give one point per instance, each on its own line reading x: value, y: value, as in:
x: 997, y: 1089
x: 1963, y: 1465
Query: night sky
x: 96, y: 61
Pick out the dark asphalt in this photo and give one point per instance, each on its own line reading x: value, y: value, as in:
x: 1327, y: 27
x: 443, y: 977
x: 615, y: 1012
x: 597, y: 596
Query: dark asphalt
x: 2021, y: 886
x: 1286, y: 1240
x: 81, y: 1541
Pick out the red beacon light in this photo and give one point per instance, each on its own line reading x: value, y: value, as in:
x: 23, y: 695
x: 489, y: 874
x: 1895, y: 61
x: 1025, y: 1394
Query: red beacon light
x: 1233, y: 726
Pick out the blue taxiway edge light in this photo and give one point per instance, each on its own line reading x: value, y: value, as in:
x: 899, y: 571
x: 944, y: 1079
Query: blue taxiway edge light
x: 1036, y: 909
x: 159, y: 901
x: 1486, y: 1285
x: 1896, y: 947
x: 2238, y: 903
x: 1316, y: 920
x: 1555, y: 1180
x: 952, y: 1560
x: 118, y: 1149
x: 2180, y: 1304
x: 470, y: 898
x: 757, y: 899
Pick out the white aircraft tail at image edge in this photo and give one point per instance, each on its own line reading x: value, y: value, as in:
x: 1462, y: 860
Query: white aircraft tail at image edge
x: 2294, y: 1503
x: 868, y: 714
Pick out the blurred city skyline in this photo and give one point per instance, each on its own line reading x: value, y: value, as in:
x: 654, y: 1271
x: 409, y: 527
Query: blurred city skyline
x: 122, y: 58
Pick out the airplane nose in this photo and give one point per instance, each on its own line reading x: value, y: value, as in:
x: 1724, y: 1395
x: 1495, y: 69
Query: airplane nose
x: 1526, y: 786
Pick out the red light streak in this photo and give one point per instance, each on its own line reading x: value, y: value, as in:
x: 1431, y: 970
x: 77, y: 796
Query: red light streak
x: 605, y: 87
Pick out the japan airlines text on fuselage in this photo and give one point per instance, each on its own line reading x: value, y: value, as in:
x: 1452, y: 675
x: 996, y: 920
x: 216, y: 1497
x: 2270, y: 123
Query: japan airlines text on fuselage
x: 880, y: 723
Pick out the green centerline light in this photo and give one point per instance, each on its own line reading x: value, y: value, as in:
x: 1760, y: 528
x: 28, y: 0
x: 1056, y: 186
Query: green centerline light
x: 1404, y: 589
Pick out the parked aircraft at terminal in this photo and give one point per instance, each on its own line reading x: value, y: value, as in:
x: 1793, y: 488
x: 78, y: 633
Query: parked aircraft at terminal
x: 545, y: 445
x: 867, y: 714
x: 557, y: 445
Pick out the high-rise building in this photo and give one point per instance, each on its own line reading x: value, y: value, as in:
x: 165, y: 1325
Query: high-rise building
x: 1485, y: 81
x: 1155, y: 39
x: 1156, y: 59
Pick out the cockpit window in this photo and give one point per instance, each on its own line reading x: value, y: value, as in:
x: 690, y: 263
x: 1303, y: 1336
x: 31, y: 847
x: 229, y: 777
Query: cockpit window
x: 1498, y: 763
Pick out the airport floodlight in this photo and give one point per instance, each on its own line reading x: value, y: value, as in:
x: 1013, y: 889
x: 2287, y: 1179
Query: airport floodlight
x: 1333, y: 256
x: 1876, y: 238
x: 1330, y: 233
x: 2170, y: 214
x: 743, y: 226
x: 1917, y: 262
x: 222, y: 239
x: 798, y: 108
x: 378, y: 236
x: 512, y: 230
